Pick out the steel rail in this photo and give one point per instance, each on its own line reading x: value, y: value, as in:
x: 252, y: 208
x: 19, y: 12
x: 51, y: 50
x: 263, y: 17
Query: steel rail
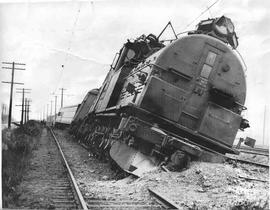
x: 257, y: 149
x: 253, y: 152
x: 166, y: 201
x: 248, y: 162
x: 77, y: 190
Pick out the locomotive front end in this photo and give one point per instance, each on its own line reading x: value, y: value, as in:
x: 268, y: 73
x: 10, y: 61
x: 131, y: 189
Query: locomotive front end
x: 196, y: 85
x: 171, y: 103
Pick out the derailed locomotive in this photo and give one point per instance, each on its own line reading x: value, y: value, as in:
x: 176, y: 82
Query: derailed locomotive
x: 169, y: 103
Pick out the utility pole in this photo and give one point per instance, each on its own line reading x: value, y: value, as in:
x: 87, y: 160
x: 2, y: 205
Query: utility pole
x: 264, y: 121
x: 62, y: 93
x: 44, y: 114
x: 47, y: 111
x: 55, y: 106
x: 25, y: 110
x: 55, y: 109
x: 22, y: 105
x: 3, y: 109
x: 51, y: 118
x: 13, y: 68
x: 28, y: 109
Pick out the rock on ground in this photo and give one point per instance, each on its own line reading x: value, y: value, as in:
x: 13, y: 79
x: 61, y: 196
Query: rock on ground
x: 203, y: 185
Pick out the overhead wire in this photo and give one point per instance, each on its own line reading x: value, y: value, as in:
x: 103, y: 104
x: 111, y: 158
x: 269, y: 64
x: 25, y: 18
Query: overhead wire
x: 69, y: 46
x: 206, y: 10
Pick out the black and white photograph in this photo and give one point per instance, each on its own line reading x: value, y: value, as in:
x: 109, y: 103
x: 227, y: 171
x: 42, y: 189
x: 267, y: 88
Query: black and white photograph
x: 135, y: 104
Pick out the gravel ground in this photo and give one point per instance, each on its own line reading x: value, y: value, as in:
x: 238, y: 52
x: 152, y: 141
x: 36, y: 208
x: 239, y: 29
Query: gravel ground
x: 95, y: 178
x: 36, y: 184
x: 203, y: 186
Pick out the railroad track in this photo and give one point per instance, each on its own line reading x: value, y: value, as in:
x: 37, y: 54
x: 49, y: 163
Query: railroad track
x: 66, y: 193
x: 248, y: 162
x: 120, y: 204
x: 76, y: 200
x: 71, y: 197
x: 255, y: 151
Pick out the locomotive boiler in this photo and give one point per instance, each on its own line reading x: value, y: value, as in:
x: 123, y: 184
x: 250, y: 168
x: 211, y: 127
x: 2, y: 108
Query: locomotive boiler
x: 169, y: 103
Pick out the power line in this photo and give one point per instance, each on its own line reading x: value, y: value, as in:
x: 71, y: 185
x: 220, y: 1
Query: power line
x: 208, y: 8
x: 69, y: 42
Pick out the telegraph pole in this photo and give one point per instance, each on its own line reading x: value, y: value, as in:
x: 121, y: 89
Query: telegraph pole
x: 3, y: 109
x: 62, y: 93
x: 264, y: 121
x: 28, y: 109
x: 25, y: 110
x: 13, y: 68
x: 51, y: 118
x: 22, y: 105
x: 47, y: 111
x: 44, y: 115
x: 55, y: 107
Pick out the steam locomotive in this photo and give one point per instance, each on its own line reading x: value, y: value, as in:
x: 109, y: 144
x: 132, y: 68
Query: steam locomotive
x: 169, y: 103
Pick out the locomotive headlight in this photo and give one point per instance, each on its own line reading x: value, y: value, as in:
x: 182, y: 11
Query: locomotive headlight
x: 222, y: 30
x: 224, y: 26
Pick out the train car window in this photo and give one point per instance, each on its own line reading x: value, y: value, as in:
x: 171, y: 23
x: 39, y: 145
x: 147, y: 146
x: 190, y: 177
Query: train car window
x: 206, y: 70
x: 211, y: 57
x: 130, y: 54
x: 115, y: 59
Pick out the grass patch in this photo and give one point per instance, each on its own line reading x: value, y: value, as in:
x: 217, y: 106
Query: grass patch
x: 17, y: 147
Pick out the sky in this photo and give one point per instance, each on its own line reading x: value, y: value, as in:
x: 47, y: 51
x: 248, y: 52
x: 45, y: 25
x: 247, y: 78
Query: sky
x: 71, y: 44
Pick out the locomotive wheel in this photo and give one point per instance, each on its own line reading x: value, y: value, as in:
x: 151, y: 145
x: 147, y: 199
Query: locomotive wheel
x: 179, y: 161
x: 95, y: 144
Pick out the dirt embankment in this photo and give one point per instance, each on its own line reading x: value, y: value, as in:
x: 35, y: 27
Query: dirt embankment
x: 17, y: 147
x: 202, y: 186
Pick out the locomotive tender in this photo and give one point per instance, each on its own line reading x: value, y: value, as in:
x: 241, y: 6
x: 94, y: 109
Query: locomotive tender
x: 169, y: 103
